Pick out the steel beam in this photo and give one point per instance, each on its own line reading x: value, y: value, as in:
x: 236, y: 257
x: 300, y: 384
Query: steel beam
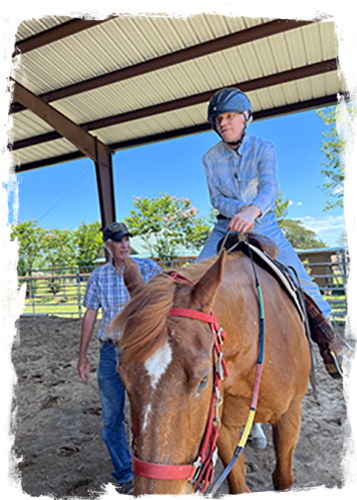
x: 222, y: 43
x: 248, y: 86
x: 320, y: 102
x: 89, y: 146
x: 56, y: 33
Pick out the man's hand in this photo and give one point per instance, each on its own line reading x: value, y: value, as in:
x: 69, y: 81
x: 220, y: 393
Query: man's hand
x: 83, y: 368
x: 244, y: 219
x: 88, y: 323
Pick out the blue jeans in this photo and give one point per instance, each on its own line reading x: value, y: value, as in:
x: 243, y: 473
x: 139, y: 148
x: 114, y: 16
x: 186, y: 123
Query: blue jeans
x: 268, y: 226
x: 112, y: 397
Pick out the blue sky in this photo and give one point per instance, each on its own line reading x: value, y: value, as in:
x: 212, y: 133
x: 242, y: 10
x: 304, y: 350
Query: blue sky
x: 175, y: 167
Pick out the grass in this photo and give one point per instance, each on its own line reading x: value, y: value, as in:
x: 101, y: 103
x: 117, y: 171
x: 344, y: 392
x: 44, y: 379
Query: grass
x: 64, y: 303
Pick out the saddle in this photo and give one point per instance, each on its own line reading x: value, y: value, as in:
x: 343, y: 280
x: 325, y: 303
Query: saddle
x: 265, y: 253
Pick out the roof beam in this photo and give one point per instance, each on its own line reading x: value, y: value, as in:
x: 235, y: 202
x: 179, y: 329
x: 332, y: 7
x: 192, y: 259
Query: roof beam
x: 248, y: 86
x: 222, y: 43
x: 175, y: 134
x: 56, y: 33
x: 89, y: 146
x: 84, y: 141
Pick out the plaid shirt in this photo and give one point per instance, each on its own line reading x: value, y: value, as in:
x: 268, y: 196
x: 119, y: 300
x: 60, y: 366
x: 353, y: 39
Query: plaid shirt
x: 246, y: 178
x: 106, y: 289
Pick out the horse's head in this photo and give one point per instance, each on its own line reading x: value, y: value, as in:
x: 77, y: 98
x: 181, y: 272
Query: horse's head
x: 167, y: 368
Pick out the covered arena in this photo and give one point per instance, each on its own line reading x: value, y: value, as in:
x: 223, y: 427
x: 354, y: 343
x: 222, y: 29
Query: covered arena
x: 94, y: 87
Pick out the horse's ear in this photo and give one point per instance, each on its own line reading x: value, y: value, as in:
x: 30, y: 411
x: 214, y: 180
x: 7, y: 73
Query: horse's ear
x: 132, y: 277
x: 205, y: 290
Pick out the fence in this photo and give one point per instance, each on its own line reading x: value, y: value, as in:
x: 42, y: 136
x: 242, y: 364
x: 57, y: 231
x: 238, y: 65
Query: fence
x: 328, y: 267
x: 59, y: 291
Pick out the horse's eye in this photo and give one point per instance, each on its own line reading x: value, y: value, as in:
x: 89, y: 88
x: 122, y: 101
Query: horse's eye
x: 202, y: 384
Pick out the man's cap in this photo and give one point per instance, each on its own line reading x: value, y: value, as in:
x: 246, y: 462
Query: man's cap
x: 115, y: 231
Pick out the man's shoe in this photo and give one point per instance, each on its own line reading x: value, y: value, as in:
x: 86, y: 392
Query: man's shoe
x: 124, y: 489
x: 258, y: 443
x: 257, y: 439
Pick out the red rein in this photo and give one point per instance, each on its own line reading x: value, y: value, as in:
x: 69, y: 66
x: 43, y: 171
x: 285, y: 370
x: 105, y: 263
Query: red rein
x: 201, y: 471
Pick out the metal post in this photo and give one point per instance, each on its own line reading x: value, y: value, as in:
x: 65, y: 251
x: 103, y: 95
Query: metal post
x: 347, y: 298
x: 78, y: 278
x: 105, y: 184
x: 32, y: 294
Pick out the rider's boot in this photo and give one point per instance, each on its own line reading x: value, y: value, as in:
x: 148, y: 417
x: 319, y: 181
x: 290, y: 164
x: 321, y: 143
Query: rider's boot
x: 257, y: 437
x: 332, y: 347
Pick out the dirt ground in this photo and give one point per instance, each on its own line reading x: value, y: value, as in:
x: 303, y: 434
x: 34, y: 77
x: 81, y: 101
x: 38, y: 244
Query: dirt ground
x: 57, y: 421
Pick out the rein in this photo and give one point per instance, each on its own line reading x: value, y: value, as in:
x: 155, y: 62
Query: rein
x: 200, y: 473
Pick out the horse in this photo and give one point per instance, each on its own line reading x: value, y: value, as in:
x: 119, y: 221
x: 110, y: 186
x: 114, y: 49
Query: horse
x: 167, y: 365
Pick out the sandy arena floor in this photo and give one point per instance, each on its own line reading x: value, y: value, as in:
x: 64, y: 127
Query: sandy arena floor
x: 58, y: 421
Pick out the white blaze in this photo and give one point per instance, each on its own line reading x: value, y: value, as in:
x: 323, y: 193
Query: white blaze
x: 147, y: 411
x: 157, y: 364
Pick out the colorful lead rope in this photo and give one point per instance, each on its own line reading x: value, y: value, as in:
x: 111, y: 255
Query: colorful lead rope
x: 253, y: 408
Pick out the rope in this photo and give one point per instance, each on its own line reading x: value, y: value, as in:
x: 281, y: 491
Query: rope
x: 253, y: 408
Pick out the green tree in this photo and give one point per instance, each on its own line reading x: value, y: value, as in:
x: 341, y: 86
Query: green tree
x: 30, y: 237
x: 281, y: 207
x: 88, y: 242
x: 333, y: 145
x: 299, y: 236
x: 165, y: 222
x: 58, y: 248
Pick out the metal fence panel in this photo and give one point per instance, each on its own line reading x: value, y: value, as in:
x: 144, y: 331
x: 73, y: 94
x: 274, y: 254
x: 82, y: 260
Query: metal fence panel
x: 59, y: 291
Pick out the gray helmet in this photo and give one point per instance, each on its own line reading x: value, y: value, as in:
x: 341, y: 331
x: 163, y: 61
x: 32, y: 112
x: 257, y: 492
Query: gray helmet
x: 226, y: 101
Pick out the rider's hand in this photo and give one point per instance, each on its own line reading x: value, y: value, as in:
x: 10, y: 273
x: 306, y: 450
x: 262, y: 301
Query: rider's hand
x: 244, y: 219
x: 83, y: 368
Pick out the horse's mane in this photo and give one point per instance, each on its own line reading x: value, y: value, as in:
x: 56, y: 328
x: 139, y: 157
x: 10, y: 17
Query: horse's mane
x: 144, y: 319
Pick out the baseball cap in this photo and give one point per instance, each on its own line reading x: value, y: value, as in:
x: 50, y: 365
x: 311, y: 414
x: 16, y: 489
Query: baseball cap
x: 115, y: 231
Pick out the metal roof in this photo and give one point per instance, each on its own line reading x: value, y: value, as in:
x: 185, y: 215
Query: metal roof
x: 134, y: 80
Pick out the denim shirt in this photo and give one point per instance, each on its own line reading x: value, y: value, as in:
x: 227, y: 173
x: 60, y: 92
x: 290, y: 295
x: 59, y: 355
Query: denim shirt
x: 106, y: 289
x: 248, y: 177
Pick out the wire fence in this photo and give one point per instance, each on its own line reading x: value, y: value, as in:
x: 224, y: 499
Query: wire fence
x: 59, y: 291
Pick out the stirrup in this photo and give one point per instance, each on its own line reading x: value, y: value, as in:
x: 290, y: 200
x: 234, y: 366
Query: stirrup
x: 337, y: 364
x: 350, y: 348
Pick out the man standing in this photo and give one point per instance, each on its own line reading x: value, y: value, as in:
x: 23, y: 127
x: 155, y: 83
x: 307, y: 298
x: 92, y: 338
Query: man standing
x: 106, y: 289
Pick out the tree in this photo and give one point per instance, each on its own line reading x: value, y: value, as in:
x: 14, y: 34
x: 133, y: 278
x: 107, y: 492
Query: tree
x: 88, y: 241
x: 333, y: 147
x: 281, y: 207
x: 165, y: 222
x: 299, y: 236
x: 58, y: 248
x: 30, y: 238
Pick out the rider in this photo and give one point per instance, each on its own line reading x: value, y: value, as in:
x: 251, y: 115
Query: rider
x: 242, y: 181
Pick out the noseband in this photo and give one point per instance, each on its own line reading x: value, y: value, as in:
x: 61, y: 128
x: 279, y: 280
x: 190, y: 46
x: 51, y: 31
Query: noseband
x: 200, y: 472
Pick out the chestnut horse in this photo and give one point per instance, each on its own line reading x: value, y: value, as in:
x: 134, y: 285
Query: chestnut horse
x: 167, y: 367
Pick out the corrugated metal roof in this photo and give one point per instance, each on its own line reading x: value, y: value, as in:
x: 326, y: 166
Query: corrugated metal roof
x: 21, y: 30
x: 127, y: 41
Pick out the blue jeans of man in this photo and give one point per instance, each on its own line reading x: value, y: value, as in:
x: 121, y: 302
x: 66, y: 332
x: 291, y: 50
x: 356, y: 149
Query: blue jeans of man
x: 112, y: 397
x: 268, y: 226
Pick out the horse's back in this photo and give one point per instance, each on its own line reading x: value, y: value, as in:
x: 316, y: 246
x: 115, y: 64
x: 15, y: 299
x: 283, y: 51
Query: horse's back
x: 286, y: 364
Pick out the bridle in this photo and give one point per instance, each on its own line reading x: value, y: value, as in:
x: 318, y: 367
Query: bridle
x: 200, y: 472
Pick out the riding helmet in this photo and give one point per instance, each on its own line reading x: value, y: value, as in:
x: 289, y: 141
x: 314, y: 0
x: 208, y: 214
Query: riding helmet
x: 229, y: 100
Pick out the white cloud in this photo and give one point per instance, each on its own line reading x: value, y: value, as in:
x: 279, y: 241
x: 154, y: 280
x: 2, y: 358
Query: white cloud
x: 290, y: 202
x: 299, y: 203
x: 328, y: 228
